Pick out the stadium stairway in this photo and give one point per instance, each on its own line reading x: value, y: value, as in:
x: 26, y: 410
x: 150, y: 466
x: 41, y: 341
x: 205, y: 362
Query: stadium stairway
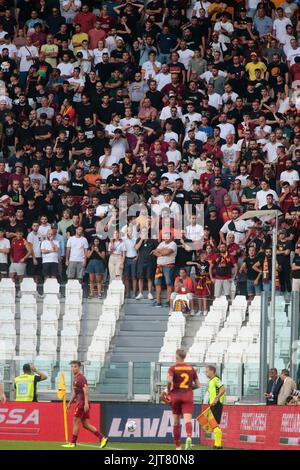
x: 191, y: 327
x: 139, y: 339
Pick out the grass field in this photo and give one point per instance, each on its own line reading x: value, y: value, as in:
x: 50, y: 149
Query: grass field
x: 31, y: 445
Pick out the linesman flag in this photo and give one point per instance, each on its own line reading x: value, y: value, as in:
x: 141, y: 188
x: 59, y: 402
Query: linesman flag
x: 207, y: 421
x: 62, y: 391
x: 62, y: 395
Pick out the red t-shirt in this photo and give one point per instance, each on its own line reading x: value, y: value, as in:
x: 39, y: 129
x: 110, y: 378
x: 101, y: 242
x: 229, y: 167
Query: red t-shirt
x: 184, y: 376
x: 187, y: 283
x: 86, y: 21
x: 78, y: 383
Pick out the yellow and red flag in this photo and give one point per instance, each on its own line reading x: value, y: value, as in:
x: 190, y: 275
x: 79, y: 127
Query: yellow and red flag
x: 62, y: 395
x: 207, y: 420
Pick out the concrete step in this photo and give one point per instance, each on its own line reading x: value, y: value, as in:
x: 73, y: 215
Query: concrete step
x: 142, y: 356
x: 143, y: 326
x: 138, y: 334
x: 134, y: 349
x: 140, y: 342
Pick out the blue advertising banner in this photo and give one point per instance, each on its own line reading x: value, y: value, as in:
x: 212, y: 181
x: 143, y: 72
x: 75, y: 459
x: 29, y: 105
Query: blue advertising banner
x: 154, y: 423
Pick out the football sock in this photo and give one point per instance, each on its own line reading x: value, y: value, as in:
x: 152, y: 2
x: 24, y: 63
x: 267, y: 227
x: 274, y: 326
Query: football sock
x: 176, y: 434
x: 98, y: 434
x: 218, y: 436
x: 188, y: 428
x: 74, y: 439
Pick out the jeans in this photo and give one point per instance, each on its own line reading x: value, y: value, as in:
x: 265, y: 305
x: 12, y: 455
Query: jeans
x: 253, y: 289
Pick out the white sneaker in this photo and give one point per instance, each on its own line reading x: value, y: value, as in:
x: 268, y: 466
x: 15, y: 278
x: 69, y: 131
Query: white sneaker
x: 150, y: 296
x: 178, y: 448
x: 197, y: 314
x: 192, y: 313
x: 205, y: 313
x: 139, y: 297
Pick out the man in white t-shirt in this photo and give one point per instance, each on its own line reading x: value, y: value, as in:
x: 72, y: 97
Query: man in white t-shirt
x: 239, y: 228
x: 225, y: 127
x: 61, y: 175
x: 35, y: 260
x: 185, y: 54
x: 290, y: 175
x: 261, y: 196
x: 279, y: 25
x: 4, y: 250
x: 27, y: 54
x: 292, y: 52
x: 43, y: 227
x: 230, y: 151
x: 224, y: 28
x: 66, y: 67
x: 195, y: 233
x: 171, y: 174
x: 271, y: 148
x: 166, y: 255
x: 76, y: 254
x: 151, y: 67
x: 188, y: 176
x: 50, y: 255
x: 173, y: 154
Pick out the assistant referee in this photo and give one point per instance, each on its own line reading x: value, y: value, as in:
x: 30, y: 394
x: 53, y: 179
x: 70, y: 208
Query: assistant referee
x: 26, y: 383
x: 215, y: 397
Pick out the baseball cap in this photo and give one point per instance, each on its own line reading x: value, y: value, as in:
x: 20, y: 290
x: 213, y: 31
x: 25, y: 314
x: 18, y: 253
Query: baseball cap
x: 4, y: 199
x: 253, y: 54
x: 43, y: 116
x: 168, y: 191
x: 212, y: 209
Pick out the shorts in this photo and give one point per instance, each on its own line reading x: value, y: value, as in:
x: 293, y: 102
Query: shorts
x: 252, y: 289
x: 130, y: 268
x: 50, y: 269
x: 145, y: 271
x: 95, y: 267
x: 18, y: 269
x: 182, y: 404
x: 217, y: 411
x: 80, y: 413
x: 168, y: 275
x: 32, y: 269
x: 3, y: 268
x: 75, y: 270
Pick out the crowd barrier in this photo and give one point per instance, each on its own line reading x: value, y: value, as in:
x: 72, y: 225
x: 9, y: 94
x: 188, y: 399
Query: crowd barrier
x: 259, y: 427
x: 41, y: 422
x: 244, y: 426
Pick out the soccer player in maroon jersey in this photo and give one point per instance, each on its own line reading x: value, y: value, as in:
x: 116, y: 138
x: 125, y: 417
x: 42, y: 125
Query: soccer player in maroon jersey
x: 80, y: 395
x: 182, y: 380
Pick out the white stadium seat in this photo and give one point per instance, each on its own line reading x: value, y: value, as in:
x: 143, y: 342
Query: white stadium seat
x: 215, y: 353
x: 73, y: 292
x: 234, y: 354
x: 226, y: 336
x: 51, y: 286
x: 28, y: 286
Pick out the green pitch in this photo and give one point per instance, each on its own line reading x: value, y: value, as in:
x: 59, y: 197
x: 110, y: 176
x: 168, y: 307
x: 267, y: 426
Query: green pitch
x: 30, y: 445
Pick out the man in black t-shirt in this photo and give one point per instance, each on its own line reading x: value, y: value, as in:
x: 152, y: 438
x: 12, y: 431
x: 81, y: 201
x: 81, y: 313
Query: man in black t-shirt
x: 146, y: 262
x: 296, y: 269
x: 115, y: 181
x: 253, y: 277
x: 284, y: 264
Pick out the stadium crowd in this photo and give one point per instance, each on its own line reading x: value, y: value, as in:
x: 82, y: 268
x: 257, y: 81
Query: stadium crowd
x: 154, y: 110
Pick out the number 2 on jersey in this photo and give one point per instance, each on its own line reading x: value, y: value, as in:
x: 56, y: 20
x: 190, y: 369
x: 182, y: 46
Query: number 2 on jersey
x: 185, y: 381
